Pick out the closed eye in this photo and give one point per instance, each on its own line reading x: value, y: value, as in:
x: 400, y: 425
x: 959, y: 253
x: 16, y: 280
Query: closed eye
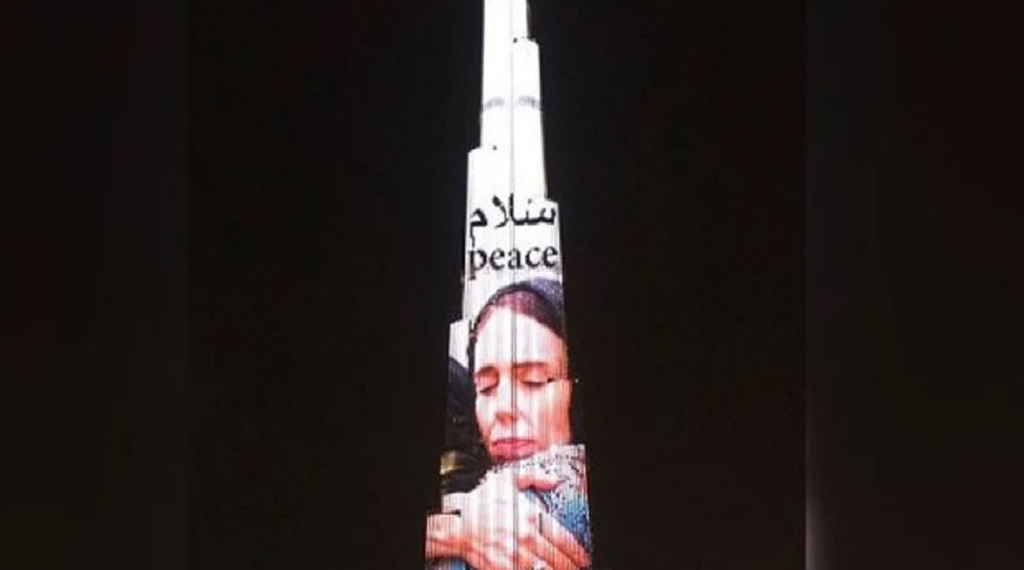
x: 486, y: 381
x: 533, y: 373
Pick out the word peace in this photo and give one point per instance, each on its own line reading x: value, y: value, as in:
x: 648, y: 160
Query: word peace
x: 512, y: 259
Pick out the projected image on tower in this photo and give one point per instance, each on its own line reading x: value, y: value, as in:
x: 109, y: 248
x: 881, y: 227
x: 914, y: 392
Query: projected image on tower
x: 514, y: 476
x: 514, y: 471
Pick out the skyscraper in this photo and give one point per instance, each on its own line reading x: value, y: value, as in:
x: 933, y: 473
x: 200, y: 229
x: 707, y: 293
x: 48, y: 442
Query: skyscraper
x: 513, y: 471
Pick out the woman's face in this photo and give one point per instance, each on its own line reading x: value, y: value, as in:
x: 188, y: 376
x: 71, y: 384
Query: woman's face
x: 519, y: 411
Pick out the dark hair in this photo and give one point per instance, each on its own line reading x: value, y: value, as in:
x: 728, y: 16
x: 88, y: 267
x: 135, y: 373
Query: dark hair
x: 540, y: 299
x: 464, y: 460
x: 460, y: 406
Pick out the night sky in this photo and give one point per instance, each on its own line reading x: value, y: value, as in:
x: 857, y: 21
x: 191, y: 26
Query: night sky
x: 327, y: 170
x: 232, y: 251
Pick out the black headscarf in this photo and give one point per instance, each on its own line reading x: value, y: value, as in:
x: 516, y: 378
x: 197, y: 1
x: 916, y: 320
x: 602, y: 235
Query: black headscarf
x: 465, y: 459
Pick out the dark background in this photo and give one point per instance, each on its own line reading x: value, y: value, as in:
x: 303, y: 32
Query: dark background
x: 326, y: 208
x: 234, y: 251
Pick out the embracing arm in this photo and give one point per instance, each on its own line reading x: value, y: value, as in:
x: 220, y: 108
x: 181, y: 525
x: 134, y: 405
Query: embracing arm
x: 444, y: 536
x: 516, y: 532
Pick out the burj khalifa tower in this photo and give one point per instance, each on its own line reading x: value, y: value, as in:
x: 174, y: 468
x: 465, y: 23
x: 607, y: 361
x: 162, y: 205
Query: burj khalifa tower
x: 513, y: 471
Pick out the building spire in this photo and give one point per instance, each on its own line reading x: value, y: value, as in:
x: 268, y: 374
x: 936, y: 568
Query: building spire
x: 510, y: 113
x: 508, y: 353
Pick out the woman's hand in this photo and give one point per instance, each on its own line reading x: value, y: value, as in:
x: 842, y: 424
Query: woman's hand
x: 501, y: 529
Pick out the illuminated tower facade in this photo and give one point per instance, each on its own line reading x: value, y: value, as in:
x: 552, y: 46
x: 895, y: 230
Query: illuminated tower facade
x: 513, y: 471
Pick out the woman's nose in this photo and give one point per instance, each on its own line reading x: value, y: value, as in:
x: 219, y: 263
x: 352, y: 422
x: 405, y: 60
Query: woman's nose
x: 506, y: 400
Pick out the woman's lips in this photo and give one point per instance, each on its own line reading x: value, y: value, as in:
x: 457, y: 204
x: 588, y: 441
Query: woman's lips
x: 512, y: 447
